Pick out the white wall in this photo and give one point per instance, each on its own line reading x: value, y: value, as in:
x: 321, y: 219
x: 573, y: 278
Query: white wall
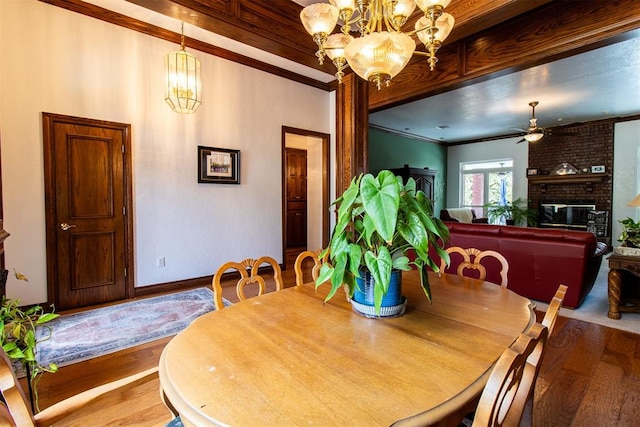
x: 491, y: 150
x: 61, y: 62
x: 626, y: 174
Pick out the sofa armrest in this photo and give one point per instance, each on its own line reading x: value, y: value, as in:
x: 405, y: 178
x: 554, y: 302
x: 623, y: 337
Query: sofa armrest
x: 444, y: 216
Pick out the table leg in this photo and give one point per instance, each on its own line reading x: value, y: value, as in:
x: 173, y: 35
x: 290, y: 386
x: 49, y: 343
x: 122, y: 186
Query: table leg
x: 615, y: 291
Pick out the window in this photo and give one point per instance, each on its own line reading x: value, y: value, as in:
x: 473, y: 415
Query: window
x: 486, y: 182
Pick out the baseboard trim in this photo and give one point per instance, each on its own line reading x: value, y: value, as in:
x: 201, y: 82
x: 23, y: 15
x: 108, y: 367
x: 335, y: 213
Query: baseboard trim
x: 186, y: 284
x: 178, y: 285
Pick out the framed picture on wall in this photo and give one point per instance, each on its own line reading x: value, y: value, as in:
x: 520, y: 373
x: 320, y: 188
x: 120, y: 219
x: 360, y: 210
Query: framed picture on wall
x: 532, y: 171
x: 218, y: 165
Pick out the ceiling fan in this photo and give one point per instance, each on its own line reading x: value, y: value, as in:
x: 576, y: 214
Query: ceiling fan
x: 534, y: 132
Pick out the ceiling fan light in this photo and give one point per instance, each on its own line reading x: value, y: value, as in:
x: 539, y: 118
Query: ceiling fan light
x: 534, y: 136
x: 380, y: 55
x: 319, y: 18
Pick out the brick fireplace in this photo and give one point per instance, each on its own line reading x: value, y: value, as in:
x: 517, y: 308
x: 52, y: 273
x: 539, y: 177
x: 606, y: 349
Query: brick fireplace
x: 591, y: 145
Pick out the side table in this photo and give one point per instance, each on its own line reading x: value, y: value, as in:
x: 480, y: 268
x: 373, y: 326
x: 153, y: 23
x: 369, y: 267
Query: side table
x: 618, y: 263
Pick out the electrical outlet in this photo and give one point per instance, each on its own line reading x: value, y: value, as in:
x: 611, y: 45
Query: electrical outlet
x: 161, y: 262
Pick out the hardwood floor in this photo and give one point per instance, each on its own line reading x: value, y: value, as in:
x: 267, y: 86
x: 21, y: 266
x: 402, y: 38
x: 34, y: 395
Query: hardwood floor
x: 590, y: 376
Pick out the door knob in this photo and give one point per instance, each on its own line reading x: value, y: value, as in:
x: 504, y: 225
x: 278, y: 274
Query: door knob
x: 64, y: 226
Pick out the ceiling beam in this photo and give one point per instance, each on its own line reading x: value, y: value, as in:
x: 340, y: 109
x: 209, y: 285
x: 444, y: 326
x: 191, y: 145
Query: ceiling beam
x: 553, y: 31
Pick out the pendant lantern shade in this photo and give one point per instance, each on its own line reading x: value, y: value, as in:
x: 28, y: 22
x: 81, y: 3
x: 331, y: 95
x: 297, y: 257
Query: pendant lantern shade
x: 183, y: 85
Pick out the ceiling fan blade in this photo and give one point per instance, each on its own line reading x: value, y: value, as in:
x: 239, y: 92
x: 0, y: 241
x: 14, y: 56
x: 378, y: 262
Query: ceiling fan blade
x: 522, y: 140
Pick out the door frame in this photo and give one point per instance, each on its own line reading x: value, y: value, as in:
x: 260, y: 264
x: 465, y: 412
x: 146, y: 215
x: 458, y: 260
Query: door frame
x: 49, y: 121
x: 325, y: 137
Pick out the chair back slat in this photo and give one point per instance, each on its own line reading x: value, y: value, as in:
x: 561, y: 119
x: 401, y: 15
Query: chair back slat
x: 472, y: 259
x: 16, y: 401
x: 249, y: 270
x: 503, y: 399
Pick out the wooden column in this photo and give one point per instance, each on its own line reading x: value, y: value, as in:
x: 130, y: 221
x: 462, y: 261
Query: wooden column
x: 352, y: 130
x: 3, y: 233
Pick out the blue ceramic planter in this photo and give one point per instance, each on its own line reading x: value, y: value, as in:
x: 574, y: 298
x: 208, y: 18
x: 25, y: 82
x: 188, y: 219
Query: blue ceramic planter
x: 393, y: 303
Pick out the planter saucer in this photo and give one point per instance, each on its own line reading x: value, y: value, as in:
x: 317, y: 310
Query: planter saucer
x: 370, y: 311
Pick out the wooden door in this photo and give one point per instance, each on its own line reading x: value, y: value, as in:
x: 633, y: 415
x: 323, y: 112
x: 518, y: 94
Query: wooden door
x: 88, y: 205
x: 296, y: 198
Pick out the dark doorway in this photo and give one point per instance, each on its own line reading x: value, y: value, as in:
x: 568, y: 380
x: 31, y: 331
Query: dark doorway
x: 305, y: 192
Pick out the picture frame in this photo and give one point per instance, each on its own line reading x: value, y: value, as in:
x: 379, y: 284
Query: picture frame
x: 532, y: 171
x: 218, y: 165
x: 597, y: 169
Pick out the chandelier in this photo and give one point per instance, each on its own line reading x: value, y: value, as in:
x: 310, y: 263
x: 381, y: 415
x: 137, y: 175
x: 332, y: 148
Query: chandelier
x: 382, y: 50
x: 184, y: 88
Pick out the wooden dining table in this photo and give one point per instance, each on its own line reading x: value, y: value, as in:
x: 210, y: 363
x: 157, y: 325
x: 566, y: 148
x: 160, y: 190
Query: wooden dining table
x: 288, y: 358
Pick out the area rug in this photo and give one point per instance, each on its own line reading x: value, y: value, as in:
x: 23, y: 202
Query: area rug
x: 89, y: 334
x: 595, y: 307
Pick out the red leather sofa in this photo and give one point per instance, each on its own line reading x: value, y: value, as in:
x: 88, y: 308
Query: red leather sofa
x: 539, y: 259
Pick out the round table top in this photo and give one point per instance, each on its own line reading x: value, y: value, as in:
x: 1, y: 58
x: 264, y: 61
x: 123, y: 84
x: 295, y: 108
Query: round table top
x: 288, y: 358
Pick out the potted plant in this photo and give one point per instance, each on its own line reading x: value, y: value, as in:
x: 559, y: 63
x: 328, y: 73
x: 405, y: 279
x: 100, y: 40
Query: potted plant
x: 513, y: 213
x: 379, y: 220
x: 18, y: 337
x: 630, y: 236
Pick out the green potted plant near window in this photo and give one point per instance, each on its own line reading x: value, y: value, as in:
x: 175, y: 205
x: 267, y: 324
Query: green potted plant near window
x: 513, y: 213
x: 380, y: 220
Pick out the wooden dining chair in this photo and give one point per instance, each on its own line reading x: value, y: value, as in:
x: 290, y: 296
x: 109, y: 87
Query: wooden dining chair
x: 472, y: 259
x: 18, y: 410
x: 551, y: 315
x: 249, y: 275
x: 303, y: 259
x: 504, y: 397
x: 549, y: 320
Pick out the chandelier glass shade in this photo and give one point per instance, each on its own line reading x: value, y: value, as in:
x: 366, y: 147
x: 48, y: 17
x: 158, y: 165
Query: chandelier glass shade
x: 183, y: 85
x: 382, y: 49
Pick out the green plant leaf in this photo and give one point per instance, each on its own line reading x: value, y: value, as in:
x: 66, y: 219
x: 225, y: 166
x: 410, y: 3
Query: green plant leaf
x: 47, y: 317
x: 326, y: 271
x: 415, y: 234
x: 355, y: 258
x: 380, y: 269
x: 30, y: 338
x: 16, y: 353
x: 9, y: 346
x: 401, y: 263
x: 409, y: 187
x: 424, y: 281
x: 381, y: 198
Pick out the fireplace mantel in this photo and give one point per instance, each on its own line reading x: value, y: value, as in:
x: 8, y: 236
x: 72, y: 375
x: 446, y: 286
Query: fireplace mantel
x: 588, y: 179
